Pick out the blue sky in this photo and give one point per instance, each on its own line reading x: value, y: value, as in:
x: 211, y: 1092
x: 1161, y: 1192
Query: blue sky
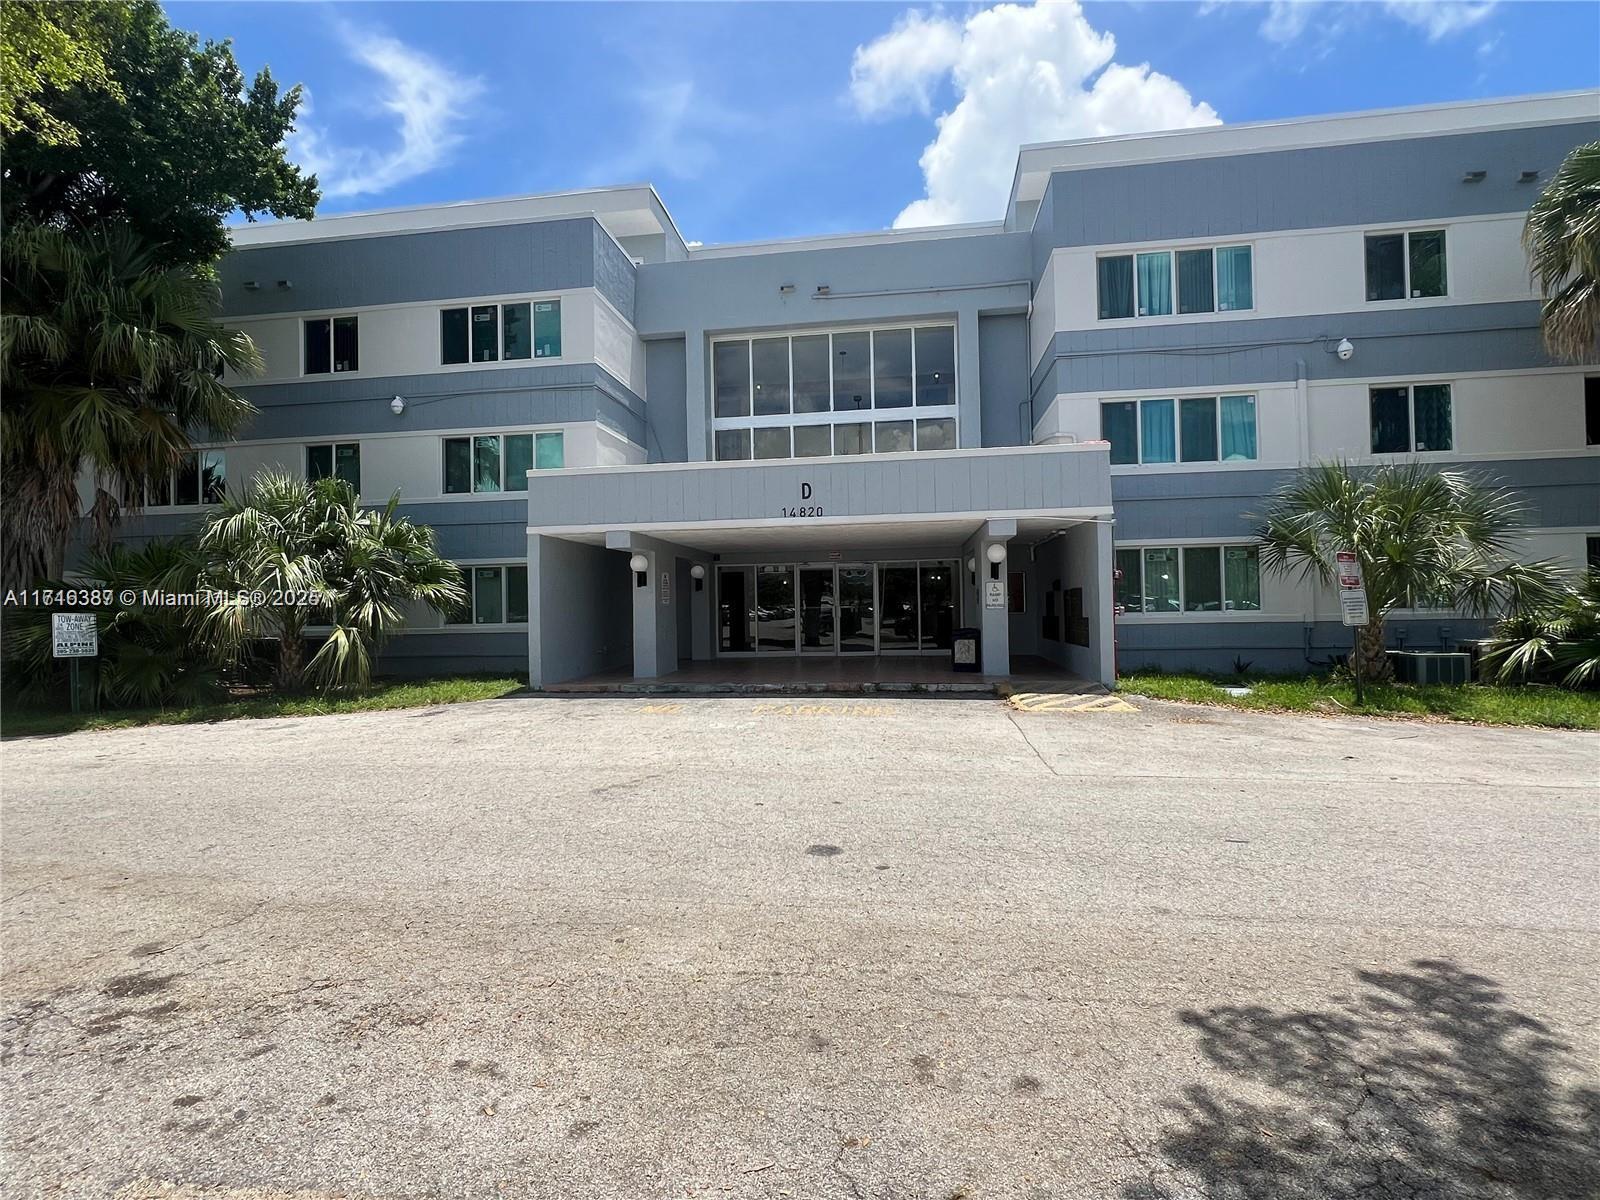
x: 762, y: 120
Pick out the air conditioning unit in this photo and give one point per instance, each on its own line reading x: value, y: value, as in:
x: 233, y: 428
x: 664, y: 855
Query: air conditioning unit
x: 1419, y: 666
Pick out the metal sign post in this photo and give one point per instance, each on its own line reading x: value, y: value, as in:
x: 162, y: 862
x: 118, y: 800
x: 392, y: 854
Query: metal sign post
x: 1353, y: 606
x: 74, y: 636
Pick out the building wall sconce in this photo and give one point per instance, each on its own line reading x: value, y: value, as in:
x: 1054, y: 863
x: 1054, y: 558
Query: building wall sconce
x: 639, y: 565
x: 996, y: 554
x: 698, y: 574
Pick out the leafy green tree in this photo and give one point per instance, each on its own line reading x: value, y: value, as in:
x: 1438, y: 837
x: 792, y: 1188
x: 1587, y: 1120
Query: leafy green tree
x: 1562, y: 237
x: 362, y: 569
x: 150, y: 655
x: 170, y: 140
x: 1558, y: 641
x: 110, y: 364
x: 48, y: 48
x: 1421, y: 536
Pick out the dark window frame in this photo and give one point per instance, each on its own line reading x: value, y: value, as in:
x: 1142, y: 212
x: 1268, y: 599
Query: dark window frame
x: 1413, y: 426
x: 1407, y: 256
x: 333, y: 449
x: 327, y: 338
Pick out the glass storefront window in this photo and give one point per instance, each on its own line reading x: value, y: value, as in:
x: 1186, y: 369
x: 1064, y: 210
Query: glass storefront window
x: 938, y: 606
x: 775, y: 623
x: 897, y: 608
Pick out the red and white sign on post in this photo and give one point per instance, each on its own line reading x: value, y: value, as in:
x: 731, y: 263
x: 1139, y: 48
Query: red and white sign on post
x: 1352, y: 588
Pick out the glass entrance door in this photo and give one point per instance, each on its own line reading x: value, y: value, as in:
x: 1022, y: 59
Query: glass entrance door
x: 818, y: 612
x: 857, y: 609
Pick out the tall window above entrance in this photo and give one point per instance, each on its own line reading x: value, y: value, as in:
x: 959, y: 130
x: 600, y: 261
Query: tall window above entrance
x: 847, y: 391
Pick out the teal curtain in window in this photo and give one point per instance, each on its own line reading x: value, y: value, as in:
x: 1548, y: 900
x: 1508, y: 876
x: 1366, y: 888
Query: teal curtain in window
x: 1235, y: 290
x: 1433, y: 416
x: 1119, y: 425
x: 1115, y: 277
x: 1160, y: 441
x: 1238, y: 428
x: 1241, y: 577
x: 1155, y: 284
x: 550, y: 453
x: 519, y: 461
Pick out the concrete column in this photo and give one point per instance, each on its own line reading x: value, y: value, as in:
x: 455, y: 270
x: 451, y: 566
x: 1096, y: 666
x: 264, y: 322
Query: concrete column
x: 994, y: 624
x: 701, y: 615
x: 655, y: 605
x: 969, y: 401
x: 535, y: 611
x: 1102, y: 619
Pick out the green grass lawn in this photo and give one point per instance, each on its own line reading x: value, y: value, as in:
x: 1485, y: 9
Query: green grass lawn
x: 1483, y: 703
x: 19, y: 721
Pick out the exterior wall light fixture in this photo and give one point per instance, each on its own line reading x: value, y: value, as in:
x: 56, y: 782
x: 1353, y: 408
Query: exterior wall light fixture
x: 698, y: 574
x: 972, y: 568
x: 996, y: 554
x: 639, y: 564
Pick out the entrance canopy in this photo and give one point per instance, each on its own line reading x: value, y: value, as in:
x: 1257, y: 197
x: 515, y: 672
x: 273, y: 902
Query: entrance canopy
x: 661, y: 564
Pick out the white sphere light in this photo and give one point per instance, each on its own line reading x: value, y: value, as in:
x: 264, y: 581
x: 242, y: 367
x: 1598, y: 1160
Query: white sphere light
x: 972, y: 564
x: 697, y: 571
x: 996, y: 553
x: 639, y: 563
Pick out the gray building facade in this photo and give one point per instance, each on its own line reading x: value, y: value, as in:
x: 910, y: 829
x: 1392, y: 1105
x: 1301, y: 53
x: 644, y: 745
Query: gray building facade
x: 1056, y: 428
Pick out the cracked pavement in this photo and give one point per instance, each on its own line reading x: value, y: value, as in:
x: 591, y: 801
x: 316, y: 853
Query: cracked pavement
x: 912, y: 948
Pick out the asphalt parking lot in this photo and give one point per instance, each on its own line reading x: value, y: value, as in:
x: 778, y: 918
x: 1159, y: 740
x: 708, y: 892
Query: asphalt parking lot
x: 822, y: 948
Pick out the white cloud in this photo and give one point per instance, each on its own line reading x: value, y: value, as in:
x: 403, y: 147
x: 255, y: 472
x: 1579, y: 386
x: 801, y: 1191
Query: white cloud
x: 1022, y: 74
x: 427, y: 99
x: 903, y: 66
x: 1287, y: 20
x: 674, y: 130
x: 1440, y: 18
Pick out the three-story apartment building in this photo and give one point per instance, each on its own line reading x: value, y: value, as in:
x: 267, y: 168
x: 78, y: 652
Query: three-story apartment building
x: 1056, y: 428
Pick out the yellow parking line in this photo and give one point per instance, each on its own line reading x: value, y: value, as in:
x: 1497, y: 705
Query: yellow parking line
x: 1056, y: 702
x: 659, y: 708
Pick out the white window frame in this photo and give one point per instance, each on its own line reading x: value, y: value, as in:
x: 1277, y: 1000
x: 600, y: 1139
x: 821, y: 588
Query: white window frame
x: 1405, y: 235
x: 1222, y: 545
x: 172, y: 483
x: 1172, y: 253
x: 500, y: 335
x: 1138, y: 403
x: 333, y: 364
x: 467, y: 568
x: 472, y: 463
x: 1411, y: 418
x: 871, y: 416
x: 333, y: 449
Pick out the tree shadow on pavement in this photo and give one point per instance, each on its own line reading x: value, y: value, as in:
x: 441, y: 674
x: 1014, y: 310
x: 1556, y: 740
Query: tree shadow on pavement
x: 1427, y: 1085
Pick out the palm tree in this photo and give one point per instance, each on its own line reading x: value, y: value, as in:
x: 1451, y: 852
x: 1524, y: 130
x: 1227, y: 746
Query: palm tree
x: 110, y: 364
x: 318, y: 559
x: 1421, y: 536
x: 149, y: 654
x: 1562, y: 237
x: 1558, y: 642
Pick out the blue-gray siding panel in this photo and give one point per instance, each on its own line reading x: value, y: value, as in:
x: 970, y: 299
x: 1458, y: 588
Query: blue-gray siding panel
x: 476, y: 528
x: 1559, y: 493
x: 467, y: 399
x: 993, y: 483
x: 876, y: 283
x: 469, y: 652
x: 1269, y: 646
x: 445, y: 264
x: 1003, y: 379
x: 666, y: 412
x: 615, y: 275
x: 1396, y: 342
x: 1371, y: 183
